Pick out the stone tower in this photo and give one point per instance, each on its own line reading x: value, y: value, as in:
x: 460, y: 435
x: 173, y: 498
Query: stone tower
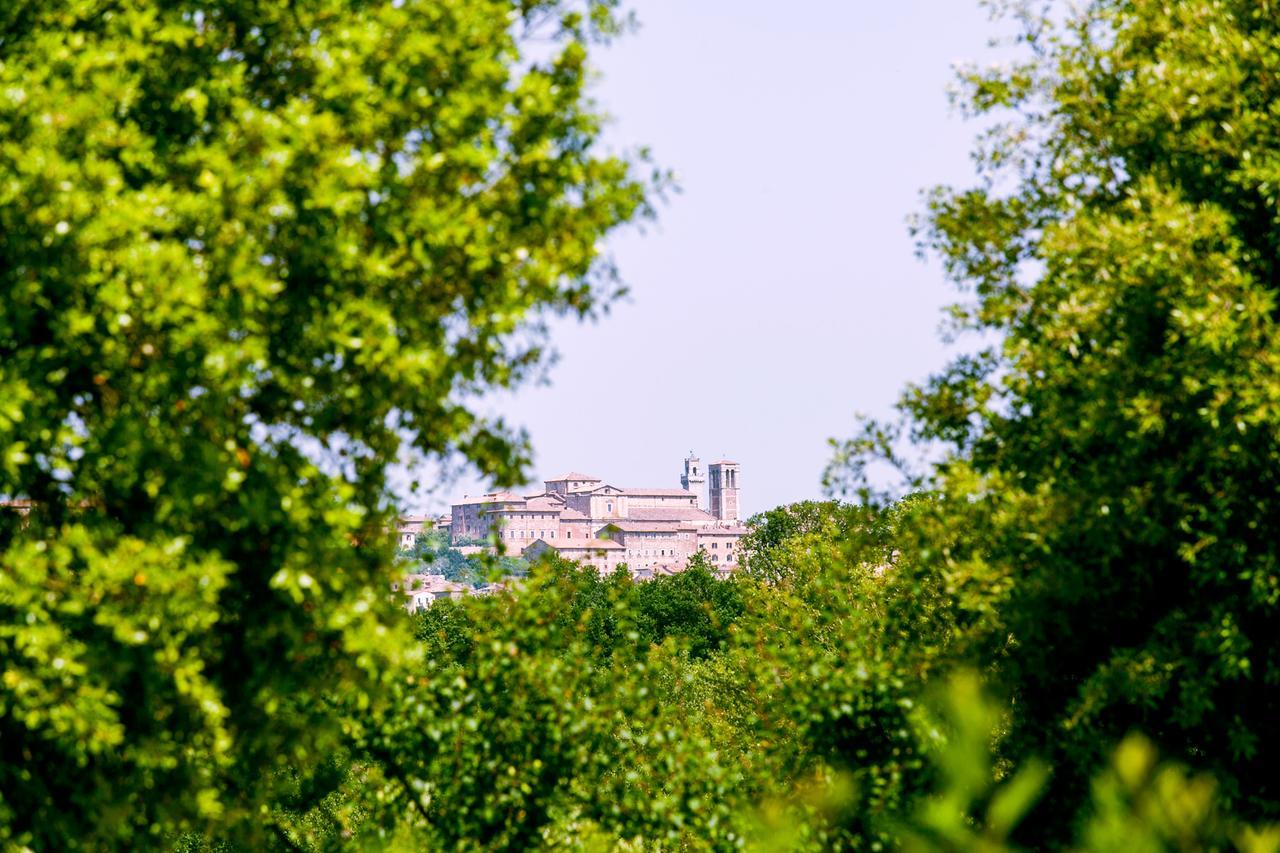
x: 724, y: 490
x: 694, y: 477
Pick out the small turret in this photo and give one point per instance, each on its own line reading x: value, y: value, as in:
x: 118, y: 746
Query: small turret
x: 694, y: 478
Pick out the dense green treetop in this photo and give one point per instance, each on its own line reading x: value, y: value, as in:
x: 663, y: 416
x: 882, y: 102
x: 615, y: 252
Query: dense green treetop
x: 1110, y: 482
x: 251, y: 254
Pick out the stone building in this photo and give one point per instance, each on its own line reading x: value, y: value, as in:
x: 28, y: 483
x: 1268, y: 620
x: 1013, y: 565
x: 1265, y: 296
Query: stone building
x: 584, y: 518
x: 410, y: 527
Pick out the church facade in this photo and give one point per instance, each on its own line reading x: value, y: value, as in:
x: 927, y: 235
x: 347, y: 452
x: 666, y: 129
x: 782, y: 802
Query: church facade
x: 584, y: 518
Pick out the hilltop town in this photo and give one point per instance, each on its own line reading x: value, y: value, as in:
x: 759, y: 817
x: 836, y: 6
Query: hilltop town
x: 650, y: 530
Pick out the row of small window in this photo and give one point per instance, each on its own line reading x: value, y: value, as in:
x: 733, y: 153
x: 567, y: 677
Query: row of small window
x: 728, y: 558
x: 542, y: 534
x: 728, y: 546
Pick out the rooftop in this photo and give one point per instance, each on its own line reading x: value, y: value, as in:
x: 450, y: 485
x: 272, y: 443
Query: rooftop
x: 545, y: 503
x: 672, y: 513
x: 492, y: 497
x: 722, y: 531
x: 628, y: 526
x: 584, y: 545
x: 572, y: 475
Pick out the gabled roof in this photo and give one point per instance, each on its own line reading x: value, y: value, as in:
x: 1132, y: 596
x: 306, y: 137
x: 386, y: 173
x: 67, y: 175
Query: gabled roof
x: 664, y: 493
x: 572, y: 475
x: 493, y: 497
x: 628, y: 526
x: 581, y: 545
x: 573, y: 515
x: 544, y: 504
x: 669, y: 513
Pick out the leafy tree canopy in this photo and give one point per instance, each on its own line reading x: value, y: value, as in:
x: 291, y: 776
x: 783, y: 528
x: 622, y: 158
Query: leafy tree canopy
x: 1109, y: 486
x: 251, y: 254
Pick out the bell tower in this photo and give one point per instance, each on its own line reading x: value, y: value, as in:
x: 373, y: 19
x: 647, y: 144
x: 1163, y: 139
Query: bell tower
x: 694, y: 478
x: 724, y: 489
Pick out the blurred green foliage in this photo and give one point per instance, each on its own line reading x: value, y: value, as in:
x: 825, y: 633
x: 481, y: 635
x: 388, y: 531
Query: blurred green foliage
x: 251, y: 254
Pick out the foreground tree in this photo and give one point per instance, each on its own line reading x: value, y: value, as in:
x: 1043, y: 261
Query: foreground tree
x: 251, y: 254
x: 780, y: 539
x: 1111, y: 472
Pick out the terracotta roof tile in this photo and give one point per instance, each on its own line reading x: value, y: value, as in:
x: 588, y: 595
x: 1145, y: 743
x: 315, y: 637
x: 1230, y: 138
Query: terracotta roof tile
x: 542, y: 504
x: 494, y: 497
x: 674, y: 513
x: 722, y: 531
x: 586, y: 545
x: 628, y: 526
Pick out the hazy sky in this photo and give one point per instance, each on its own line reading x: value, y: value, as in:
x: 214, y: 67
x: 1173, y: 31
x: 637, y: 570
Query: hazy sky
x: 779, y: 292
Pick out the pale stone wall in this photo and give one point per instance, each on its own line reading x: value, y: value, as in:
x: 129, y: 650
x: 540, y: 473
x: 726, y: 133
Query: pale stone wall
x: 600, y: 506
x: 474, y: 518
x: 601, y: 555
x: 650, y: 549
x: 577, y: 529
x: 722, y: 545
x: 469, y: 522
x: 570, y: 485
x: 520, y: 527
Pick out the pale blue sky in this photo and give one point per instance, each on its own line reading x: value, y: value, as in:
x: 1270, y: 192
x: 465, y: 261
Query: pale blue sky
x: 779, y: 293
